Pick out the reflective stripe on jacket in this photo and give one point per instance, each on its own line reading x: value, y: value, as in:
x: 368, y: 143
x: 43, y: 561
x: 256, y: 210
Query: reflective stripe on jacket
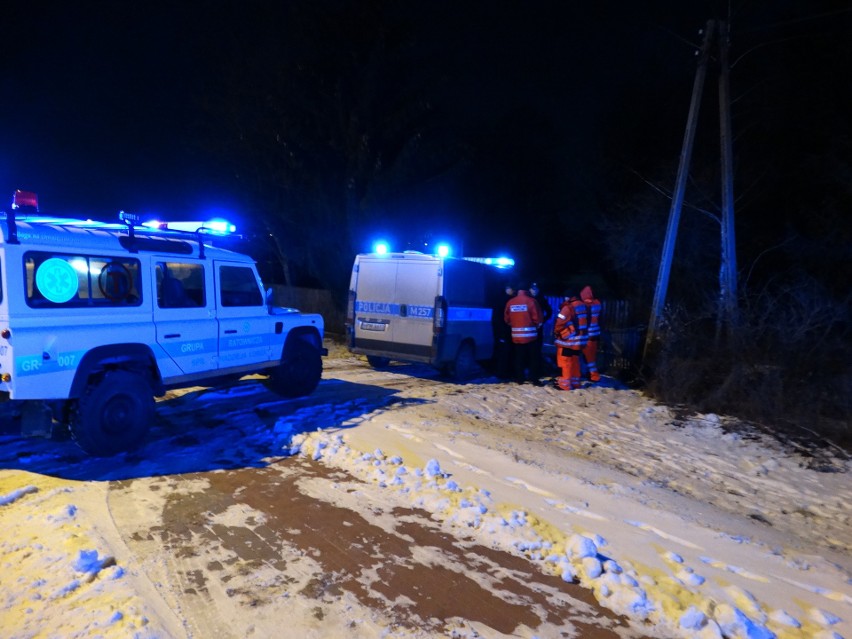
x: 581, y: 335
x: 594, y: 309
x: 523, y: 315
x: 564, y: 328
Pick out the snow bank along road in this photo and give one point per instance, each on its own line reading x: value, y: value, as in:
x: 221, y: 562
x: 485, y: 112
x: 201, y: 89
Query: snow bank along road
x: 394, y: 504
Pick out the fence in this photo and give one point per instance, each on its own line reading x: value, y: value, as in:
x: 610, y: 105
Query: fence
x: 311, y: 300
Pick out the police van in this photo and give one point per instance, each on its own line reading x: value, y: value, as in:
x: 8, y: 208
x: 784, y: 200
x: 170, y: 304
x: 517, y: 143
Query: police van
x: 96, y: 319
x: 415, y: 307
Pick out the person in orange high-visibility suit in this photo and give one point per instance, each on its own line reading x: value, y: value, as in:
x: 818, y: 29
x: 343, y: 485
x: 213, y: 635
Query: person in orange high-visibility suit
x: 570, y: 337
x: 590, y: 350
x: 523, y: 315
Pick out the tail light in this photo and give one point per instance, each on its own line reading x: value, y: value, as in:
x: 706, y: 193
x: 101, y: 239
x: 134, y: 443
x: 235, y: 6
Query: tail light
x: 440, y: 315
x: 350, y: 309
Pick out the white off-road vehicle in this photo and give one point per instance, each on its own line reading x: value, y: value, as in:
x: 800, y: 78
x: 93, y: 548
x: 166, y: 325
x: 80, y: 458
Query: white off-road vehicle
x: 96, y: 319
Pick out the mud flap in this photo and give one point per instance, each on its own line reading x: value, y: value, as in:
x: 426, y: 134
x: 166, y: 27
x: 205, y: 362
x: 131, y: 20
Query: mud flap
x: 36, y: 419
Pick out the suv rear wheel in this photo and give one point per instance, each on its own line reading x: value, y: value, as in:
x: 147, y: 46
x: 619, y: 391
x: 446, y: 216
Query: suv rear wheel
x: 114, y: 414
x: 300, y: 369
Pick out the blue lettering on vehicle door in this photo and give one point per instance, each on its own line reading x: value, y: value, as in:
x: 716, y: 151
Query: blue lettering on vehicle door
x: 395, y: 310
x: 377, y: 308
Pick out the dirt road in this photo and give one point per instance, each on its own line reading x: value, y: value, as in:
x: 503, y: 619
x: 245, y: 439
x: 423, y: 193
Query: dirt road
x: 272, y: 546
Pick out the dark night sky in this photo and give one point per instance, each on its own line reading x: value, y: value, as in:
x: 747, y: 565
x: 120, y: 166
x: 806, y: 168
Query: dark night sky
x: 103, y: 102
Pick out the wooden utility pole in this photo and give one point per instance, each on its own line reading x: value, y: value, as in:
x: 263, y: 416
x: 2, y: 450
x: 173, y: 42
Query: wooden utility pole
x: 680, y: 186
x: 728, y: 314
x: 716, y: 32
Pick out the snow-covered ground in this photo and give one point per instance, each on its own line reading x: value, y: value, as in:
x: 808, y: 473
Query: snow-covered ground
x: 689, y: 526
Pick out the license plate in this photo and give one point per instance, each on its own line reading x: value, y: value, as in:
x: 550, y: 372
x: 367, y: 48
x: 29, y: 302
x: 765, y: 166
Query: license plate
x: 373, y: 326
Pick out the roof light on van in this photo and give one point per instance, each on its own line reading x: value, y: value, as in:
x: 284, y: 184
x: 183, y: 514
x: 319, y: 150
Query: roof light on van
x: 24, y: 199
x: 381, y: 248
x: 215, y: 226
x: 443, y: 250
x: 498, y: 262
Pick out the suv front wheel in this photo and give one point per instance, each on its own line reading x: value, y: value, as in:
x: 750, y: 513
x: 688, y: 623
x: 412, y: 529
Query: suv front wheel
x: 114, y: 414
x: 300, y: 369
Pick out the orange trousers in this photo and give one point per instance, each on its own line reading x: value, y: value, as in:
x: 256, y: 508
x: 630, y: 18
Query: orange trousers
x: 568, y: 361
x: 590, y: 354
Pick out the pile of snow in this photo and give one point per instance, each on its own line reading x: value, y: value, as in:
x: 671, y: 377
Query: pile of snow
x: 58, y: 577
x: 676, y: 603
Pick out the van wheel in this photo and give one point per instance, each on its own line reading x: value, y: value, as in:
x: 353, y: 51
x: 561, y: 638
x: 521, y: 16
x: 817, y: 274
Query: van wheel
x: 378, y: 362
x: 114, y: 414
x: 300, y: 369
x: 464, y: 366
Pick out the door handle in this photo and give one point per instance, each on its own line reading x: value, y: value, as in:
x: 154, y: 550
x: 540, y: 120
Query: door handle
x: 230, y: 331
x: 171, y: 335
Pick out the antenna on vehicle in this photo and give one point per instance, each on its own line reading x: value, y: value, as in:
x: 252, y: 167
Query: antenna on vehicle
x: 131, y: 220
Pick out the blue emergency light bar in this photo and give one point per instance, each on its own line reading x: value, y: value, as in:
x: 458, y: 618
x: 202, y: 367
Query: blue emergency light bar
x: 25, y: 207
x: 215, y: 227
x: 499, y: 262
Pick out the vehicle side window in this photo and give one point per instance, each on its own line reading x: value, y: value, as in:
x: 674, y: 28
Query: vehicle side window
x: 1, y: 281
x: 180, y: 285
x: 238, y: 286
x: 58, y: 280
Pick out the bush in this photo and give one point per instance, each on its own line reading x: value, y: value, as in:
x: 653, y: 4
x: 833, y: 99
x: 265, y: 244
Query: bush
x: 787, y: 366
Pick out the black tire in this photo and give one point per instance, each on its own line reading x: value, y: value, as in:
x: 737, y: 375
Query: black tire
x: 300, y: 369
x: 464, y: 366
x: 114, y: 414
x: 378, y: 362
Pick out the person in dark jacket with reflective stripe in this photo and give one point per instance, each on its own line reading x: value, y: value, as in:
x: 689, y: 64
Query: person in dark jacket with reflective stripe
x: 502, y: 334
x: 546, y: 313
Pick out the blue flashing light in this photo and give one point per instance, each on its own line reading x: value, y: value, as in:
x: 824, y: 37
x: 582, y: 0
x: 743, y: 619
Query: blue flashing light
x: 220, y: 226
x: 443, y: 250
x: 381, y: 248
x: 497, y: 262
x: 215, y: 226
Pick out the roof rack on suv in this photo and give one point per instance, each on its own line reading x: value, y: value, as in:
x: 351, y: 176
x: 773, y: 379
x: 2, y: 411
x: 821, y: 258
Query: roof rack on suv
x: 25, y: 207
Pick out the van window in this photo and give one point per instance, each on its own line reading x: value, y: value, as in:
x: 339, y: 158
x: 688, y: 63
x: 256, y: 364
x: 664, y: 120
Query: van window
x: 180, y: 285
x: 1, y: 281
x: 464, y: 283
x: 238, y: 286
x: 60, y: 280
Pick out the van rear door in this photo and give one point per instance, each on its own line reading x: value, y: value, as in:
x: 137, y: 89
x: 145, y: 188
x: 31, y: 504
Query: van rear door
x: 417, y: 286
x: 395, y: 305
x: 374, y: 302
